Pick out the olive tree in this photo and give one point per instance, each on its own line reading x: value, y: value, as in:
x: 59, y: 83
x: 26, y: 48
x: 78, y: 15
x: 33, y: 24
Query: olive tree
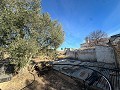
x: 25, y: 31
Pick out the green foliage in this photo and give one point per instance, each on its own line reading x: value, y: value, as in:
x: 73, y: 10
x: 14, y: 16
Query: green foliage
x: 22, y: 51
x: 25, y: 31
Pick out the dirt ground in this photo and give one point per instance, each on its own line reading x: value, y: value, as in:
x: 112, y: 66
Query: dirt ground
x: 49, y: 81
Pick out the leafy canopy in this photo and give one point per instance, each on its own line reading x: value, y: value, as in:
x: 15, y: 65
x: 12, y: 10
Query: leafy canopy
x: 25, y: 31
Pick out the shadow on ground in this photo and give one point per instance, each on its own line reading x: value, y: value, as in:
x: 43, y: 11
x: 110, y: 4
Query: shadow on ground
x: 34, y: 86
x: 52, y: 82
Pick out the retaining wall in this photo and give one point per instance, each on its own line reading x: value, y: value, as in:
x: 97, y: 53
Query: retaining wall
x: 99, y: 53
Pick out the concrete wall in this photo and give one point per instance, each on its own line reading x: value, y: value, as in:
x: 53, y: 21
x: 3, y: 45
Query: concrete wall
x: 118, y: 58
x: 118, y: 51
x: 71, y: 54
x: 105, y: 54
x: 84, y: 55
x: 99, y: 53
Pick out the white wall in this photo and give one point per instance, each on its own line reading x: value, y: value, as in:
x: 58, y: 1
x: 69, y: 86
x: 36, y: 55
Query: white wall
x: 70, y: 54
x: 99, y: 53
x: 84, y: 55
x: 105, y: 54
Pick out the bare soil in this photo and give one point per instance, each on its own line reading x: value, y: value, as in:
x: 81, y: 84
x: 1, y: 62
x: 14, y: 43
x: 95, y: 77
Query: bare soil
x: 49, y: 81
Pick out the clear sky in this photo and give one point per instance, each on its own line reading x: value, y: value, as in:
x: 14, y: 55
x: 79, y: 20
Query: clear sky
x: 80, y: 17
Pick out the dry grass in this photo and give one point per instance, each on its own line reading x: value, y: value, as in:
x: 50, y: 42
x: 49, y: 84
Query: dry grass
x: 62, y: 56
x: 41, y: 58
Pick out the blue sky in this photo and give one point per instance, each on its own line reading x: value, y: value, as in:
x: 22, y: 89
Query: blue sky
x: 80, y: 17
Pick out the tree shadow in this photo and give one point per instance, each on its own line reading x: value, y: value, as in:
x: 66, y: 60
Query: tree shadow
x: 52, y: 81
x: 59, y: 82
x: 34, y: 86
